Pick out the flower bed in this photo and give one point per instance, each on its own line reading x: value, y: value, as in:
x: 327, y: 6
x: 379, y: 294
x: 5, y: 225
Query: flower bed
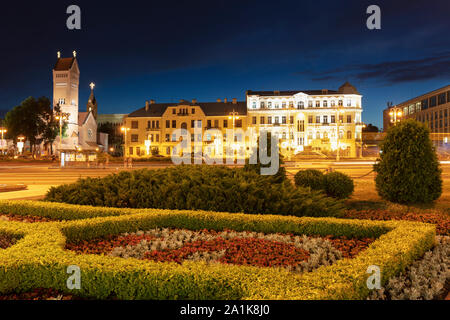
x: 294, y: 253
x: 40, y: 260
x: 441, y: 221
x: 425, y: 279
x: 7, y: 241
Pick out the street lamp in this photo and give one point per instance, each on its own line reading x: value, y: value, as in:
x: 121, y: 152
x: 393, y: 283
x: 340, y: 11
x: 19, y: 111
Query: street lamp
x: 338, y: 121
x: 234, y: 116
x: 20, y: 143
x: 124, y: 130
x: 61, y: 117
x: 3, y: 131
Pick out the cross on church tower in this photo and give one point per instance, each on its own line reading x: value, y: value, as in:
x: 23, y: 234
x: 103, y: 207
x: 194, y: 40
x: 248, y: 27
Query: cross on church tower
x: 92, y: 103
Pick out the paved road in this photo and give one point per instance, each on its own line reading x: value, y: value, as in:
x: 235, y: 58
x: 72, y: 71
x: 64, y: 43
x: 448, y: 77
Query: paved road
x: 39, y: 178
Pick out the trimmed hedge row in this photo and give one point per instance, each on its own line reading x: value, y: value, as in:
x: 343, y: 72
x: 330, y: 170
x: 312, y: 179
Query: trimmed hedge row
x: 39, y: 259
x: 211, y: 188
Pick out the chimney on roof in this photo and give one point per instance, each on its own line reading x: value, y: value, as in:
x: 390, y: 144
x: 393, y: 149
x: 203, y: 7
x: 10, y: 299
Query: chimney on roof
x: 324, y: 91
x: 218, y: 100
x: 225, y: 100
x: 152, y: 101
x: 234, y: 101
x: 147, y: 105
x: 277, y: 92
x: 194, y: 101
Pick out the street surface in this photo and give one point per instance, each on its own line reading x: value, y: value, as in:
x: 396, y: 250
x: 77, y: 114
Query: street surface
x: 40, y: 177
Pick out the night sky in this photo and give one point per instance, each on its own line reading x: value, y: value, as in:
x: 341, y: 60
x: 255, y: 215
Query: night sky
x: 171, y: 50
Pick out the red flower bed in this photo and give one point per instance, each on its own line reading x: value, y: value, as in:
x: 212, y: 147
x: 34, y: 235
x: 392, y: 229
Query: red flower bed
x: 104, y: 246
x: 350, y: 247
x: 39, y: 294
x: 236, y: 250
x: 26, y: 219
x: 7, y: 241
x: 441, y: 221
x: 240, y: 251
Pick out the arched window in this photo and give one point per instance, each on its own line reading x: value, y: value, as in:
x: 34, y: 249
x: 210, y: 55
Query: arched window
x: 184, y: 125
x: 349, y: 135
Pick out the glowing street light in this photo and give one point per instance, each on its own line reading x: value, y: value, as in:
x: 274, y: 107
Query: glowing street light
x: 124, y: 130
x: 62, y: 118
x: 3, y: 131
x: 20, y: 143
x: 395, y: 114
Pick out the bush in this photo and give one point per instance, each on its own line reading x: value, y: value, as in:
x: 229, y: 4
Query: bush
x: 334, y: 184
x: 338, y: 185
x: 209, y: 188
x: 408, y: 169
x: 311, y: 178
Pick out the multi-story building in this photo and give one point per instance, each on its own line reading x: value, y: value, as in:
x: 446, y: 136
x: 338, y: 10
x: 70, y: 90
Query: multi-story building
x: 431, y: 108
x: 319, y: 120
x: 322, y: 120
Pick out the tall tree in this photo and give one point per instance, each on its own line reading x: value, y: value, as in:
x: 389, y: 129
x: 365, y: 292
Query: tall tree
x: 34, y: 119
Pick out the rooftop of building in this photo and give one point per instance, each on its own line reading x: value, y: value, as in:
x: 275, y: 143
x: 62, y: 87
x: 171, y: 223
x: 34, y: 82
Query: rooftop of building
x: 221, y: 108
x: 64, y: 64
x: 422, y: 96
x: 346, y: 88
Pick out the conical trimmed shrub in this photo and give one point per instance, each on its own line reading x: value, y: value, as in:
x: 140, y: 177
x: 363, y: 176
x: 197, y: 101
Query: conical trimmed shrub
x: 408, y: 170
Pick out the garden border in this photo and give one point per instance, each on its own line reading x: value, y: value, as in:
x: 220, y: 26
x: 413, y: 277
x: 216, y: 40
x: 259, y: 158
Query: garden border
x: 40, y: 260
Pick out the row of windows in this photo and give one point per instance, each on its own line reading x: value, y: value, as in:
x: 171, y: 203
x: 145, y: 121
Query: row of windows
x: 324, y: 135
x: 301, y: 104
x: 332, y: 118
x: 273, y: 120
x: 424, y: 104
x: 154, y: 124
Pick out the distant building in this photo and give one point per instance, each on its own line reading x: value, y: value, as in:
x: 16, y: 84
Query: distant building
x: 81, y: 136
x: 322, y: 120
x: 431, y: 108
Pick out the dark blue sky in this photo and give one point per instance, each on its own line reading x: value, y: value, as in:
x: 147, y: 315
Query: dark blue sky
x: 170, y: 50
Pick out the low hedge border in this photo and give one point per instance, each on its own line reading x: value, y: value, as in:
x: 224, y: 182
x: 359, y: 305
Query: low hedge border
x: 39, y: 259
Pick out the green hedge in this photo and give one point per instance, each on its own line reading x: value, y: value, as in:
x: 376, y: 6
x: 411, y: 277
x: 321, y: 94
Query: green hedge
x: 39, y: 259
x: 209, y: 188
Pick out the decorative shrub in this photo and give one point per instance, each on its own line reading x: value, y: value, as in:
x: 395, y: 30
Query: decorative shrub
x: 408, y: 169
x: 208, y: 188
x: 310, y: 178
x: 338, y: 185
x: 334, y: 184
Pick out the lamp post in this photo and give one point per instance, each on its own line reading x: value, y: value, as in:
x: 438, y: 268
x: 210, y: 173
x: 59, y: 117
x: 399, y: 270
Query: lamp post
x: 234, y: 116
x: 395, y: 115
x: 20, y: 143
x: 124, y: 130
x: 3, y: 131
x: 338, y: 121
x: 61, y: 117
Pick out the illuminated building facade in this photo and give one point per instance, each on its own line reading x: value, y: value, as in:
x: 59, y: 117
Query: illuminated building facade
x: 319, y: 120
x: 431, y: 108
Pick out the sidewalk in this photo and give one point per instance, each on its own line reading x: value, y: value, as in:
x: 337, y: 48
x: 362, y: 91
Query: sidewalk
x: 34, y: 192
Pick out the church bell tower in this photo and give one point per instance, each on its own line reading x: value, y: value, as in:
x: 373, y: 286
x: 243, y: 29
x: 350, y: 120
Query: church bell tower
x: 66, y: 78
